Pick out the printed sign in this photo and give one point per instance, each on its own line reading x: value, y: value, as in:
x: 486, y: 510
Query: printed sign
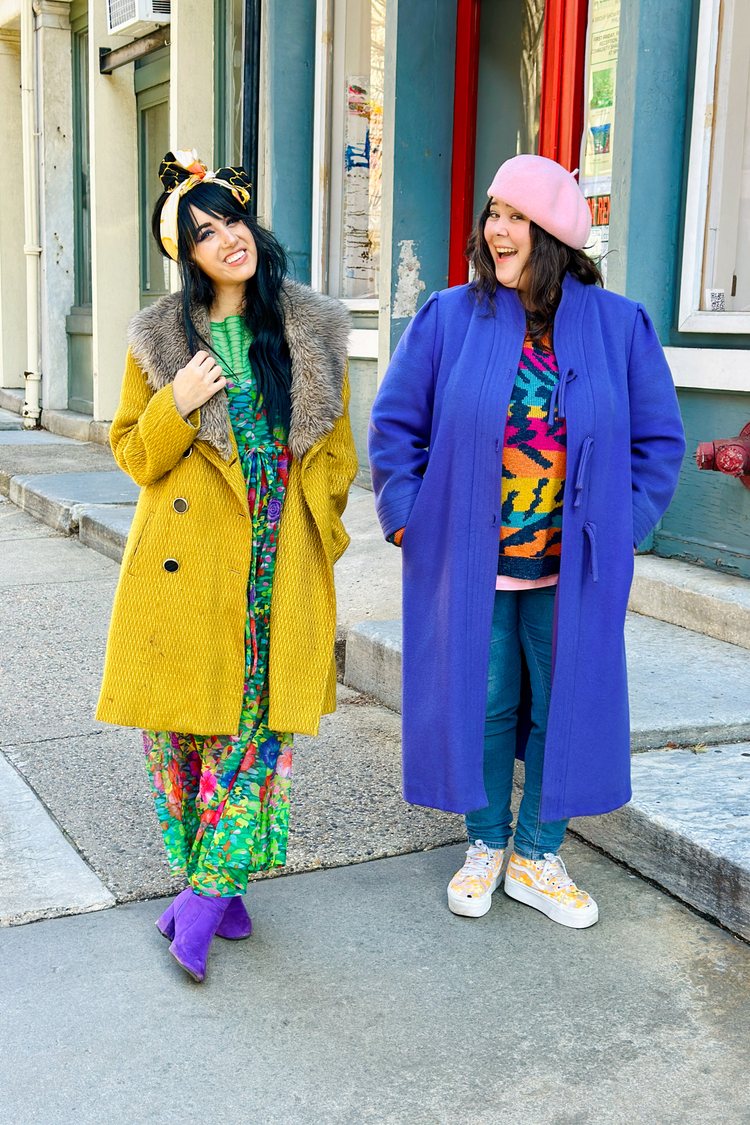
x: 599, y: 120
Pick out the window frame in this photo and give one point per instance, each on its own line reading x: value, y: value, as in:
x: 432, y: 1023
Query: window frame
x: 691, y: 317
x: 323, y: 111
x: 222, y: 123
x: 82, y: 270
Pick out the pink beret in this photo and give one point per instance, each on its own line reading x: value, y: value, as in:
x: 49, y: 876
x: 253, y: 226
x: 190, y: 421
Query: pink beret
x: 548, y: 194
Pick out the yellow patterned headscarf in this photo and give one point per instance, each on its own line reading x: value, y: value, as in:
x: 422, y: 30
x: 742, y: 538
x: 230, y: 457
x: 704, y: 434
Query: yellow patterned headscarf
x: 181, y: 171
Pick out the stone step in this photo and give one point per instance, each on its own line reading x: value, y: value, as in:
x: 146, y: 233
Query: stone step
x: 11, y: 398
x: 685, y: 688
x: 60, y: 499
x: 9, y: 420
x: 694, y: 597
x: 687, y: 828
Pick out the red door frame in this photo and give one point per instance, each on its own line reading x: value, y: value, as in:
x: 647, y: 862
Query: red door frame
x: 563, y: 76
x: 561, y: 115
x: 464, y: 137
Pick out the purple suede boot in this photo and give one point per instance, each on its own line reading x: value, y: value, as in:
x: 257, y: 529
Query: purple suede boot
x: 196, y: 919
x: 234, y: 926
x: 165, y: 921
x: 236, y: 923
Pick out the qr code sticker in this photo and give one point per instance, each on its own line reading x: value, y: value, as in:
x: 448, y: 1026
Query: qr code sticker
x: 715, y: 301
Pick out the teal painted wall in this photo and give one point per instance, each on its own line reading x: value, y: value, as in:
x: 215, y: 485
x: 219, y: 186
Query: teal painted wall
x: 423, y: 131
x: 653, y: 97
x: 649, y: 175
x: 290, y: 44
x: 709, y: 518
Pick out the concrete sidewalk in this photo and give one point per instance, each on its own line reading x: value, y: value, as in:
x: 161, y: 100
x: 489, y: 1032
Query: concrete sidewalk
x: 688, y: 689
x: 361, y: 999
x: 74, y: 789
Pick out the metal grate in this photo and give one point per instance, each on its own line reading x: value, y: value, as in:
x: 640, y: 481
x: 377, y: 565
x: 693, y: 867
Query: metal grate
x: 120, y: 11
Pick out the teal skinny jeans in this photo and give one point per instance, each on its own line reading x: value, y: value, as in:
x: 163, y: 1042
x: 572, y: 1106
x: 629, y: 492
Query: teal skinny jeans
x: 521, y: 628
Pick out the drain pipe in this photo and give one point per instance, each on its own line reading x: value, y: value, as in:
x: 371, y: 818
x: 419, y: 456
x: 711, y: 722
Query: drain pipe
x: 32, y: 376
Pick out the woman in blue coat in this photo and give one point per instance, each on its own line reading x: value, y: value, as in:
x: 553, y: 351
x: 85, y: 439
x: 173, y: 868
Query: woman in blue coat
x: 526, y: 438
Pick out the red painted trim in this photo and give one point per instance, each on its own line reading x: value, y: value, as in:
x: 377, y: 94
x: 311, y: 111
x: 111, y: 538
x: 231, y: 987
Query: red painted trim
x: 551, y: 72
x: 563, y: 78
x: 464, y: 137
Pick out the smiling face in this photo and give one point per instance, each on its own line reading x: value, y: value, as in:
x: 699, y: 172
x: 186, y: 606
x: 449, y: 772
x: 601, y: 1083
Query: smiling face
x: 507, y: 232
x: 224, y: 249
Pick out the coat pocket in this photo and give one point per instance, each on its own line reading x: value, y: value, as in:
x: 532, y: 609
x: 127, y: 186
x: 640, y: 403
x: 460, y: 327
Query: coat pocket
x: 589, y: 530
x: 583, y: 470
x: 133, y: 558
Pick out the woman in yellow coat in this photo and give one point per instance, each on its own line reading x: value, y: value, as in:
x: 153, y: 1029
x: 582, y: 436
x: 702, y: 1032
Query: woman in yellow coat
x: 233, y: 419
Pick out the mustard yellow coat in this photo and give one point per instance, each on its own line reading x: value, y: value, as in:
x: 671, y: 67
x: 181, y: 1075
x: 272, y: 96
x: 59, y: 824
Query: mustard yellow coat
x: 176, y: 649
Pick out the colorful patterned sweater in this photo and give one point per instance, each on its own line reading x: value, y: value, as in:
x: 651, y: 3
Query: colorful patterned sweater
x: 533, y: 477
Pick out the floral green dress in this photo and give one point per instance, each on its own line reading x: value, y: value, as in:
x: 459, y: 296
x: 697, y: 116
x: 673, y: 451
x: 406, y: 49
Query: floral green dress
x: 223, y: 802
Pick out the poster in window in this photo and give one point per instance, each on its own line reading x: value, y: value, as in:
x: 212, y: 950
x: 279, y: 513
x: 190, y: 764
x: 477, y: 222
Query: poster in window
x: 362, y: 183
x: 599, y: 120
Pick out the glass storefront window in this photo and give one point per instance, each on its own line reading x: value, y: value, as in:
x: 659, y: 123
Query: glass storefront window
x: 726, y: 263
x: 715, y: 291
x: 356, y: 148
x: 228, y: 64
x: 81, y: 161
x: 152, y: 108
x: 602, y: 51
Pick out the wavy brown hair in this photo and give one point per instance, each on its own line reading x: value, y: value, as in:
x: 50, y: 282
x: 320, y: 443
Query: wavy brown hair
x: 548, y: 263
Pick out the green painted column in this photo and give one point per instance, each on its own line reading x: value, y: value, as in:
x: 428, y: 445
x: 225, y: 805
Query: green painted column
x: 654, y: 88
x: 709, y: 519
x: 418, y: 139
x: 290, y: 47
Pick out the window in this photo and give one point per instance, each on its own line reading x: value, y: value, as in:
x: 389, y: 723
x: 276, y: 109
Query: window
x: 152, y: 107
x: 82, y: 213
x: 349, y: 139
x: 228, y: 66
x: 602, y: 49
x: 715, y: 288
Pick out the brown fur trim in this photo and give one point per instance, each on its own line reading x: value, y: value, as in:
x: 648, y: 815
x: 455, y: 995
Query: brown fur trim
x: 317, y: 332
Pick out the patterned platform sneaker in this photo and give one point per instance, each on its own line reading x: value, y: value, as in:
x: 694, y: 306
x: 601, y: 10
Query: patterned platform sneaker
x: 546, y: 885
x: 470, y: 889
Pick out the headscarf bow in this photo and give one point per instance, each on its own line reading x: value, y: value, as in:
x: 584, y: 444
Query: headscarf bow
x: 181, y: 171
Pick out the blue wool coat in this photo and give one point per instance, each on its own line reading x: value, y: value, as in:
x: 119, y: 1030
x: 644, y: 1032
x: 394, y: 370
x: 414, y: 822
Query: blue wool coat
x: 436, y: 444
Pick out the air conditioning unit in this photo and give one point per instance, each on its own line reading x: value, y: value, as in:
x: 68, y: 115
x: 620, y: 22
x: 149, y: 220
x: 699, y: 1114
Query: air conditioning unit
x: 136, y: 17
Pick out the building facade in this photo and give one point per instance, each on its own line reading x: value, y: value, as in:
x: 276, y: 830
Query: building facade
x: 372, y: 128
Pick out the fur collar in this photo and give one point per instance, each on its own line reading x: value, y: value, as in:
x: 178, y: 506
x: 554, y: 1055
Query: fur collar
x: 317, y: 331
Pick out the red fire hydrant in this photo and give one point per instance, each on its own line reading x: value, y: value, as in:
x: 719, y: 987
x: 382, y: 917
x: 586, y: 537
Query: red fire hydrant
x: 728, y: 455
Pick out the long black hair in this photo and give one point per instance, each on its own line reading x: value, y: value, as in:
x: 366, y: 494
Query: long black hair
x: 548, y: 263
x: 262, y: 310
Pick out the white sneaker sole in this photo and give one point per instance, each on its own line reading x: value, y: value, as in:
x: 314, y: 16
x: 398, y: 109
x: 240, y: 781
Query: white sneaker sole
x: 575, y: 919
x: 472, y: 907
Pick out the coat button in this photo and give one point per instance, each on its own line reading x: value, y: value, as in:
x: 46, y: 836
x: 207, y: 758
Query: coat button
x: 171, y: 565
x: 188, y: 452
x: 180, y: 504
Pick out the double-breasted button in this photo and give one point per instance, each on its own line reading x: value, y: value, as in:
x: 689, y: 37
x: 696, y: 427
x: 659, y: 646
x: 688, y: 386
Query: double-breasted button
x: 188, y: 452
x: 180, y: 504
x: 171, y: 565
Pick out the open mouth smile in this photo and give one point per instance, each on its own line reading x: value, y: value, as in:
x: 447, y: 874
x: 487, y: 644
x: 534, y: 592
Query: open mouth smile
x: 236, y: 259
